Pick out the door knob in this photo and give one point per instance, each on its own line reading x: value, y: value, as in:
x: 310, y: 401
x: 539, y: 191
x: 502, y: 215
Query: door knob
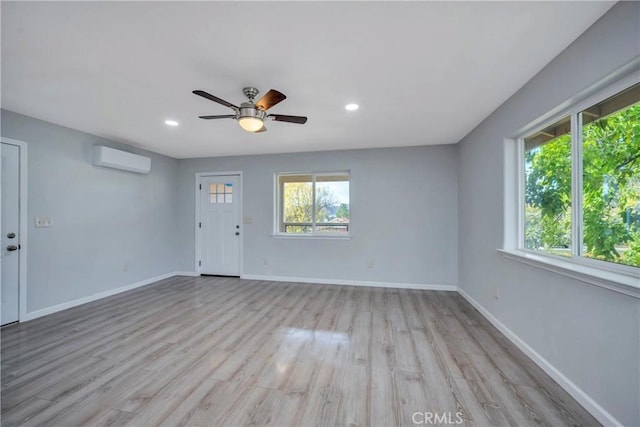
x: 12, y: 248
x: 11, y: 235
x: 237, y: 233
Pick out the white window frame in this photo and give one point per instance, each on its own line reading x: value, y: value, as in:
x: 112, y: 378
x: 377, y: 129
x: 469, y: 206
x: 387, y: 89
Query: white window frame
x: 279, y: 208
x: 617, y: 277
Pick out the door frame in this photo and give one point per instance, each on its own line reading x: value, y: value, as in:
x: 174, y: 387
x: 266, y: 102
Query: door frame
x: 197, y: 219
x: 22, y: 206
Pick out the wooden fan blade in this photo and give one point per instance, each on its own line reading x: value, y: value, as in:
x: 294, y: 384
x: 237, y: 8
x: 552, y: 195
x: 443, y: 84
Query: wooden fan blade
x: 290, y: 119
x: 270, y: 99
x: 214, y: 99
x: 225, y: 116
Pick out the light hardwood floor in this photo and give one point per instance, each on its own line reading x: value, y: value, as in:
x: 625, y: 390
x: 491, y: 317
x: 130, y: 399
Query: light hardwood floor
x: 223, y: 351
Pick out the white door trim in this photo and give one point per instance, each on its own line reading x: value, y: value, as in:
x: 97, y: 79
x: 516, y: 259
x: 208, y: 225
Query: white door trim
x: 197, y: 219
x: 22, y: 203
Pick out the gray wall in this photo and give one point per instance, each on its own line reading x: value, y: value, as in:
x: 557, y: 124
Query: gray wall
x: 405, y: 218
x: 102, y: 218
x: 403, y: 215
x: 590, y: 334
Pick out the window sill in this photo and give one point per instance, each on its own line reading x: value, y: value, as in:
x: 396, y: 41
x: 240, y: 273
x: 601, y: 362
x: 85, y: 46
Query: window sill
x: 310, y: 237
x: 628, y: 285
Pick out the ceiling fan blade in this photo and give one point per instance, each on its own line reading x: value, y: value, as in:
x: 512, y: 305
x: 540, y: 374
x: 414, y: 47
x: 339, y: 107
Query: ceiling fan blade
x: 291, y: 119
x: 262, y: 129
x: 214, y: 99
x: 270, y: 99
x: 225, y: 116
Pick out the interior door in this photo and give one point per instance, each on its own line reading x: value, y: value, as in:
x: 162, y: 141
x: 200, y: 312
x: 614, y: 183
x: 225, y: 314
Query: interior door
x: 10, y: 251
x: 220, y: 225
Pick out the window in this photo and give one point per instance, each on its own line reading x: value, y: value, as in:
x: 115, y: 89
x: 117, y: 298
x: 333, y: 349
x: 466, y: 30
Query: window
x: 313, y: 204
x: 581, y: 179
x: 221, y: 193
x: 547, y: 209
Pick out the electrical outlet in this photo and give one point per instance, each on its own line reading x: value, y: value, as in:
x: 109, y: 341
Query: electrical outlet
x: 266, y: 261
x: 125, y: 267
x: 496, y: 292
x: 370, y: 264
x: 43, y: 221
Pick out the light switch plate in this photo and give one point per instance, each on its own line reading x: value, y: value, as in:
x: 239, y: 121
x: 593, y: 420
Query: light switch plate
x: 43, y: 221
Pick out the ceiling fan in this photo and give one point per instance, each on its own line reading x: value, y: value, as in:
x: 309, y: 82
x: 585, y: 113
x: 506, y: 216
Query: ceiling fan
x: 251, y: 115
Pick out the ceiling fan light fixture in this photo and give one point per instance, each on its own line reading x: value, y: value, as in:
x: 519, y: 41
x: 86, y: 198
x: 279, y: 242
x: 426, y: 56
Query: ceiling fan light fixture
x: 250, y: 115
x: 250, y: 124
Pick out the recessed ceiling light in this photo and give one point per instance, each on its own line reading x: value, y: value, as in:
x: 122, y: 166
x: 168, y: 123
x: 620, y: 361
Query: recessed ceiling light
x: 351, y: 107
x: 171, y: 123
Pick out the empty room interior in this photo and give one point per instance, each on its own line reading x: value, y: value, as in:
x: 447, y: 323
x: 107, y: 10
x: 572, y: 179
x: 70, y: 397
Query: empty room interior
x: 320, y: 213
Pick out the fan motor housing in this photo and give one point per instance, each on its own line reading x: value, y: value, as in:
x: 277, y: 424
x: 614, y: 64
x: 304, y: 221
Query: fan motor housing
x: 248, y: 109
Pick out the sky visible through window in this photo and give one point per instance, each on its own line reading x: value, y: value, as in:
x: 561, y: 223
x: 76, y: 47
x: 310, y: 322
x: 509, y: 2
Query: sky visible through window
x: 339, y: 189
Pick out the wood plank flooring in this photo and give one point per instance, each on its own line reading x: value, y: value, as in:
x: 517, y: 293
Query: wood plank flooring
x: 213, y: 351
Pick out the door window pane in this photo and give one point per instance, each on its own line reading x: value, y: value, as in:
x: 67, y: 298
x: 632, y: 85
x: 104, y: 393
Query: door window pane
x: 221, y: 193
x: 212, y: 193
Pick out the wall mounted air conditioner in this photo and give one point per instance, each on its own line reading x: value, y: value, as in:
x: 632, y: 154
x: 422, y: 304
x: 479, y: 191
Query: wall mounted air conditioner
x: 118, y: 159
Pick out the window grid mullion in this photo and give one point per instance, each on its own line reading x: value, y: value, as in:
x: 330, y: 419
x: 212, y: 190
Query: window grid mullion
x: 313, y: 203
x: 578, y: 177
x: 575, y: 186
x: 281, y: 204
x: 522, y: 182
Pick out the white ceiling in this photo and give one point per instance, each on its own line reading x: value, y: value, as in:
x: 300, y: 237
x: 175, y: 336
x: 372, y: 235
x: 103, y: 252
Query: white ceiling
x: 423, y: 72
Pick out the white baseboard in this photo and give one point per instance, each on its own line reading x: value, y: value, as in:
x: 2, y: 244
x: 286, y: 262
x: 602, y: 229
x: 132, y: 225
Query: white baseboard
x: 186, y: 273
x: 601, y: 414
x: 65, y: 305
x: 421, y: 286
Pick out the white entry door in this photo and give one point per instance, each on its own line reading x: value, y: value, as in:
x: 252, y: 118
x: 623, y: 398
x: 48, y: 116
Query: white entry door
x: 10, y: 155
x: 219, y: 225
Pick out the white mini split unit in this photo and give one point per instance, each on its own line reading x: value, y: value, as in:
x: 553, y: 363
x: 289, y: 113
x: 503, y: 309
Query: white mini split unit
x: 118, y: 159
